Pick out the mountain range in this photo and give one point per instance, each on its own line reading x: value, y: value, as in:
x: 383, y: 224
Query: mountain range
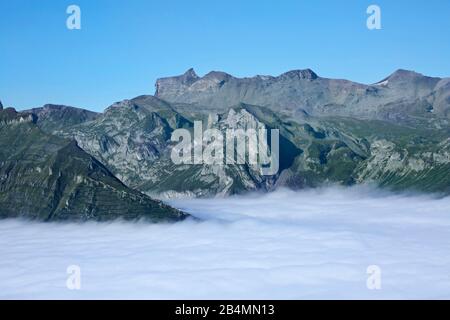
x: 59, y: 162
x: 402, y: 96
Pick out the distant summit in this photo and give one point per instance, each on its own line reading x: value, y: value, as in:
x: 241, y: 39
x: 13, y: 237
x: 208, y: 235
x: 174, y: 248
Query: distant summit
x: 406, y: 76
x: 306, y: 74
x: 401, y: 96
x: 169, y: 86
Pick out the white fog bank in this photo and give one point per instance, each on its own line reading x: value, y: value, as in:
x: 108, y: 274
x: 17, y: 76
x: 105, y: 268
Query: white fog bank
x: 283, y: 245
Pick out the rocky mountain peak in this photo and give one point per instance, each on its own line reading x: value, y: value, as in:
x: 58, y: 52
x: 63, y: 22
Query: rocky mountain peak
x: 218, y: 75
x: 306, y: 74
x: 410, y: 83
x: 190, y: 83
x: 189, y: 75
x: 404, y: 74
x: 1, y: 105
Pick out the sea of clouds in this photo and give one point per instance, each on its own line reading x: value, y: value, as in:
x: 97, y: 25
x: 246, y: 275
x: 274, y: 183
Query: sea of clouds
x: 282, y: 245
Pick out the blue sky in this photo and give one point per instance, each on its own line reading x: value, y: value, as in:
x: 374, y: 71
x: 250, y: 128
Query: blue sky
x: 124, y: 46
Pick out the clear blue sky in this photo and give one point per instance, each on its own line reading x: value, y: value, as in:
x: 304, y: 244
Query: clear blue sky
x: 124, y: 46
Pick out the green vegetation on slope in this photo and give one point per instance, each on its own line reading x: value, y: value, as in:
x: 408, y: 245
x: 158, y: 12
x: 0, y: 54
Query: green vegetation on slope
x: 48, y: 178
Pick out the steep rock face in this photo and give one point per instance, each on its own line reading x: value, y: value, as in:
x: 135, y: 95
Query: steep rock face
x: 173, y: 86
x: 48, y: 178
x: 399, y: 167
x: 401, y: 97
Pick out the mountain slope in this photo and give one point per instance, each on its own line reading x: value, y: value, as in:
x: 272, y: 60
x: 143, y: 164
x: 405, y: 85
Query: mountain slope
x: 49, y: 178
